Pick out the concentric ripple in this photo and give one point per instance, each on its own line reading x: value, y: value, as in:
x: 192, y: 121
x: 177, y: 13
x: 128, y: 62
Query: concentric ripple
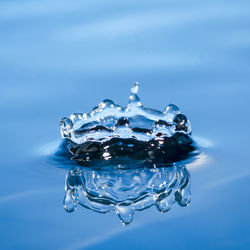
x: 126, y: 191
x: 110, y: 131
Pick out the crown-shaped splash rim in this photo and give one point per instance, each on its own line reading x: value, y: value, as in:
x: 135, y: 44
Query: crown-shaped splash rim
x: 110, y: 130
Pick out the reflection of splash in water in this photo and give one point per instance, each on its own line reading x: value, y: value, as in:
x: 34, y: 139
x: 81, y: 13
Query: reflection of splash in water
x: 127, y: 190
x: 111, y: 131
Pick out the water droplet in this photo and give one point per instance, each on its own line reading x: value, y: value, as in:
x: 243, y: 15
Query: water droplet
x: 66, y: 125
x: 183, y: 193
x: 181, y: 123
x: 134, y: 100
x: 125, y: 213
x: 69, y: 204
x: 183, y: 197
x: 135, y: 88
x: 165, y: 204
x: 170, y: 112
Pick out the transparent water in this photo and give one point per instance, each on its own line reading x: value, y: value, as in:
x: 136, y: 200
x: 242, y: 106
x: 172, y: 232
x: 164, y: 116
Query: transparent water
x: 109, y: 120
x: 111, y: 132
x: 59, y: 57
x: 126, y: 191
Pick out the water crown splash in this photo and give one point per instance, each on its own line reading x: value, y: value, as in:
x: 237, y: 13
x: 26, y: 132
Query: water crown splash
x: 110, y: 131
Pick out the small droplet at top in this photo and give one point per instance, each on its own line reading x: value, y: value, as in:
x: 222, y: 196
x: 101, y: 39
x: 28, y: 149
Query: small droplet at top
x: 135, y: 88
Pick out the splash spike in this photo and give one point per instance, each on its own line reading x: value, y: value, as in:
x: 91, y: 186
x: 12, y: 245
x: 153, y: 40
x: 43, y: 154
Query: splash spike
x: 135, y: 88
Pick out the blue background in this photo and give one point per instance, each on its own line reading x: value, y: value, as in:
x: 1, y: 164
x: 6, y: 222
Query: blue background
x: 59, y: 57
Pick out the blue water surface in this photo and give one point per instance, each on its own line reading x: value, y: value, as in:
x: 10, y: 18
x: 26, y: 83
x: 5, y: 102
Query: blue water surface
x: 59, y: 57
